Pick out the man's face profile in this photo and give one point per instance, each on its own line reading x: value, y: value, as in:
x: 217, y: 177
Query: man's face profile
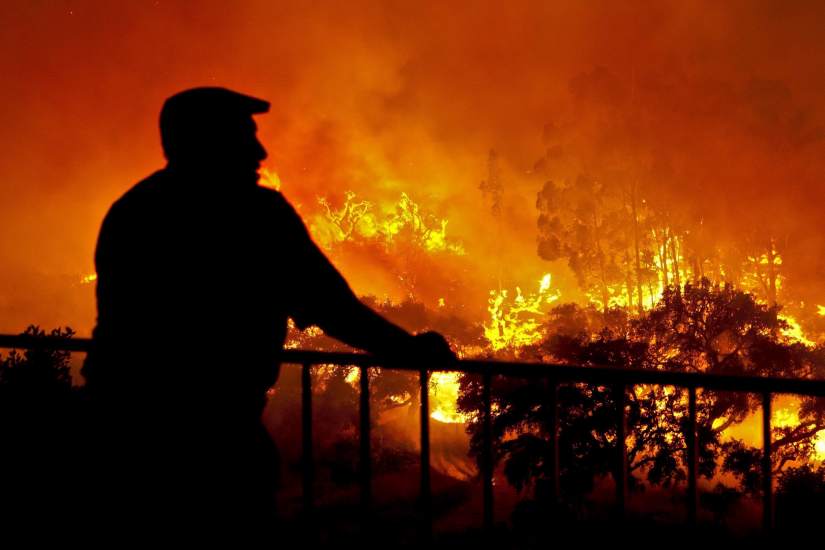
x: 210, y: 131
x: 229, y: 148
x: 235, y: 149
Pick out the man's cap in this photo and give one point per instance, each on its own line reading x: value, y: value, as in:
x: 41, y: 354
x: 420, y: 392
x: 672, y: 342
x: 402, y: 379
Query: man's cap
x: 190, y: 114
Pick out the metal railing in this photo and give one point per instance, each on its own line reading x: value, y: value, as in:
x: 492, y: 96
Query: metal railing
x: 555, y: 374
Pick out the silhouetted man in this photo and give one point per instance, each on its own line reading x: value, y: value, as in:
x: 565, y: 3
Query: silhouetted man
x: 198, y: 269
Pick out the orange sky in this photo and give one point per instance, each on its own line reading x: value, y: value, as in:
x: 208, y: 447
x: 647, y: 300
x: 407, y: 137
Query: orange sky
x: 721, y: 104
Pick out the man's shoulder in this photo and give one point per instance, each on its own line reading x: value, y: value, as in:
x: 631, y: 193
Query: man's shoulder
x: 126, y: 216
x: 140, y: 193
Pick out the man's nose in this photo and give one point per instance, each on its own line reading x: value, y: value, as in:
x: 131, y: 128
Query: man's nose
x: 260, y: 150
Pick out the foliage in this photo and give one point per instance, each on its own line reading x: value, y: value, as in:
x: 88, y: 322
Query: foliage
x: 38, y: 417
x: 38, y: 373
x: 800, y: 497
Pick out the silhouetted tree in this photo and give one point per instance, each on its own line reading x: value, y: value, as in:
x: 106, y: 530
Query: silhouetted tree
x: 39, y: 372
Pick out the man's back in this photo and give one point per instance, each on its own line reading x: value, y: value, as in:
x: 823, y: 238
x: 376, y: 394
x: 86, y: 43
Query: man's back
x: 193, y: 297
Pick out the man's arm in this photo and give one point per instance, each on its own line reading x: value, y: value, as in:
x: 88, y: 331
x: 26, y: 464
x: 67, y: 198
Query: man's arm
x: 329, y: 302
x: 359, y: 326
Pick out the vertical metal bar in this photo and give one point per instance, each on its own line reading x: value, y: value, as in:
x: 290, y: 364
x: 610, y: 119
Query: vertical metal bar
x: 553, y: 421
x: 308, y: 466
x: 426, y: 493
x: 365, y: 451
x: 767, y: 466
x: 487, y: 452
x: 692, y: 442
x: 621, y: 450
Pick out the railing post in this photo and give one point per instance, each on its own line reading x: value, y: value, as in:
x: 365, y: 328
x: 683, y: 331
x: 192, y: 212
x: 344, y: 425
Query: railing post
x: 767, y: 466
x: 308, y: 465
x: 692, y: 452
x: 365, y: 450
x: 487, y: 452
x: 621, y: 451
x: 426, y: 493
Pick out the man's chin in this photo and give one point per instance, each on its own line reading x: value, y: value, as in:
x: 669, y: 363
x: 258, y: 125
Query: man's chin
x: 245, y: 175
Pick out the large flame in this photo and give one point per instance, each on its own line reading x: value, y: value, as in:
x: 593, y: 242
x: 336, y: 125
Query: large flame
x: 516, y: 318
x: 443, y: 398
x: 361, y: 220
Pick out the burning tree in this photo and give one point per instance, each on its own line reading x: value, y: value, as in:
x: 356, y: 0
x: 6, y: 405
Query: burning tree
x: 582, y: 223
x: 626, y: 227
x: 401, y: 232
x: 515, y: 319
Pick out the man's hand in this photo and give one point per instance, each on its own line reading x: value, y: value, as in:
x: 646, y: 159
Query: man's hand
x: 432, y: 348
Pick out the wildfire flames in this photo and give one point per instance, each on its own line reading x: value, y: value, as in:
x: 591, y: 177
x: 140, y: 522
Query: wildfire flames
x: 359, y: 220
x: 516, y: 319
x: 464, y: 172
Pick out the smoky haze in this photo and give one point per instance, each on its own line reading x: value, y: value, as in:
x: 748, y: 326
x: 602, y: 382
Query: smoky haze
x: 715, y: 108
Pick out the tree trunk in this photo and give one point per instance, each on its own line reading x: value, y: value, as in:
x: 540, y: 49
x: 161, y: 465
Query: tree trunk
x: 629, y: 285
x: 602, y: 274
x: 771, y: 273
x: 636, y: 247
x: 661, y: 250
x: 674, y: 252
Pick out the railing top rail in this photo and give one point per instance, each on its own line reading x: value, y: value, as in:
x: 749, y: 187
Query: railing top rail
x: 559, y: 372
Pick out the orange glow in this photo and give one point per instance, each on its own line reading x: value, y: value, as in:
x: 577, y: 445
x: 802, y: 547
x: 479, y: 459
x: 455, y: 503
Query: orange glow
x: 269, y: 179
x: 785, y: 414
x: 701, y: 124
x: 794, y: 331
x: 401, y: 105
x: 443, y: 397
